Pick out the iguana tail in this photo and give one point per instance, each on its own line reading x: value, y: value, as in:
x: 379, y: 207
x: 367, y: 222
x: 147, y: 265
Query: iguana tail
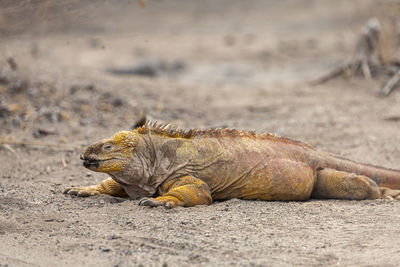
x: 384, y: 177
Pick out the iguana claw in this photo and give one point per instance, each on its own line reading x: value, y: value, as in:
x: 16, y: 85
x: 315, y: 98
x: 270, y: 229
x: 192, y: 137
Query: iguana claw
x: 81, y: 191
x: 151, y: 202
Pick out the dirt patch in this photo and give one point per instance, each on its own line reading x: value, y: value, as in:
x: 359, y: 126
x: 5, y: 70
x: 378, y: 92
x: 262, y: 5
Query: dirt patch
x: 241, y: 64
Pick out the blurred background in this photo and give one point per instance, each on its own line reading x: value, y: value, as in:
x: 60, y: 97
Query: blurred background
x: 75, y: 71
x: 72, y: 72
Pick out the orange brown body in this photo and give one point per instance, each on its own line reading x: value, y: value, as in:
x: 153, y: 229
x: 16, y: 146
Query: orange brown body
x: 166, y: 167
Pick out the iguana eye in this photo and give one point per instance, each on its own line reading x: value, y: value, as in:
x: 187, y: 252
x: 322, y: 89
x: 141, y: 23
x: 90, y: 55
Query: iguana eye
x: 107, y: 147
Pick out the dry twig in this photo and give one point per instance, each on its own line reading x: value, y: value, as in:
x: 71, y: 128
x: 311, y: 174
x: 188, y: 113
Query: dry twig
x: 391, y: 84
x: 364, y: 58
x: 342, y: 70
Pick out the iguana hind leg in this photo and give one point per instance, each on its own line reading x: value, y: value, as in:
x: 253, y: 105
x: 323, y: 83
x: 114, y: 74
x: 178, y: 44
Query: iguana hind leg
x: 186, y: 191
x: 334, y: 184
x: 108, y: 186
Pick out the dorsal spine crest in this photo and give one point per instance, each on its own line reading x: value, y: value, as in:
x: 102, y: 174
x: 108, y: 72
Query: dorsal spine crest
x: 159, y: 128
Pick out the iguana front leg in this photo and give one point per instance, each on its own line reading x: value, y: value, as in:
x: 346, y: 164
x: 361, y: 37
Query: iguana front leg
x: 186, y: 191
x: 107, y: 186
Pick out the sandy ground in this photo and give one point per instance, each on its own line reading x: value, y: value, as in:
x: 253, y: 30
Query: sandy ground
x: 242, y: 64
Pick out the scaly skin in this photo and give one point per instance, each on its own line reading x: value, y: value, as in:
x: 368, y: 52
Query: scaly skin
x: 173, y: 168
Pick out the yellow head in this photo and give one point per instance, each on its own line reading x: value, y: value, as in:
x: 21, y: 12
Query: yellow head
x: 110, y: 155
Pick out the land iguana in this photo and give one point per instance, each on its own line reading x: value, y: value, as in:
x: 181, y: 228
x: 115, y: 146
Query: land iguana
x: 176, y: 167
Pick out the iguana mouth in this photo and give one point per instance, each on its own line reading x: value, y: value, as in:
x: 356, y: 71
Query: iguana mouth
x: 91, y: 162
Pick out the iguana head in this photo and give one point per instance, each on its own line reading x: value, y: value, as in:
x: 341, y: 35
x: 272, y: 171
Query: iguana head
x: 110, y: 155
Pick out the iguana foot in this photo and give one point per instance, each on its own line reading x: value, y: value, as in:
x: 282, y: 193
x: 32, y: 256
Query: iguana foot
x: 186, y: 191
x: 82, y: 191
x: 390, y: 194
x: 107, y: 186
x: 153, y: 202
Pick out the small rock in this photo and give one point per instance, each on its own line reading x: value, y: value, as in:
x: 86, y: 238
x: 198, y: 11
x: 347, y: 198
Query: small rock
x: 40, y: 132
x: 151, y: 68
x: 4, y: 111
x: 117, y: 102
x: 11, y: 62
x: 18, y: 87
x: 105, y: 249
x: 90, y: 87
x: 113, y: 237
x: 3, y: 78
x: 73, y: 89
